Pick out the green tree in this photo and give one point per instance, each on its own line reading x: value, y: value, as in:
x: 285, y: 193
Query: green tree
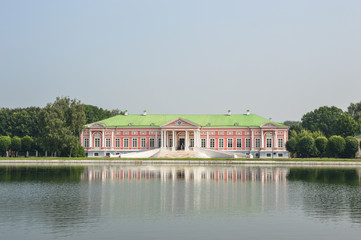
x: 27, y: 144
x: 346, y: 126
x: 19, y: 121
x: 324, y: 119
x: 321, y: 145
x: 61, y: 123
x: 291, y: 123
x: 291, y: 146
x: 336, y: 145
x: 95, y: 114
x: 15, y: 145
x: 355, y: 111
x: 5, y: 142
x: 306, y: 146
x: 351, y: 147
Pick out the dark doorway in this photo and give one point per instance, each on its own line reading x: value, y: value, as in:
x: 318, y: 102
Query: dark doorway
x: 181, y: 144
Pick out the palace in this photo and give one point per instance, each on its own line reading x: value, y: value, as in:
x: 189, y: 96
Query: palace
x: 242, y: 135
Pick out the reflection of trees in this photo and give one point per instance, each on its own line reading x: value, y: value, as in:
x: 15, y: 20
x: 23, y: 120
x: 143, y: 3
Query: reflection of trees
x: 48, y: 195
x: 325, y: 175
x: 329, y: 193
x: 42, y: 174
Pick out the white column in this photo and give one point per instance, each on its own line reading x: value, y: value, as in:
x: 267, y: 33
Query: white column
x: 90, y: 139
x: 194, y: 138
x: 284, y: 139
x: 173, y: 142
x: 186, y: 147
x: 82, y: 138
x: 207, y: 141
x: 166, y: 138
x: 161, y: 138
x: 199, y: 138
x: 276, y: 140
x: 103, y: 140
x: 252, y: 140
x: 112, y: 141
x: 156, y: 140
x: 262, y: 139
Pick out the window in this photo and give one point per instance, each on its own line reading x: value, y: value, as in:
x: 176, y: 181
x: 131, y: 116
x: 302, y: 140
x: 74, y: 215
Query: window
x: 211, y: 143
x: 135, y: 143
x: 258, y: 143
x: 159, y: 142
x: 280, y: 155
x: 192, y: 142
x: 229, y: 142
x: 107, y: 142
x: 126, y: 143
x: 221, y: 143
x: 96, y: 154
x: 97, y: 142
x: 269, y: 155
x: 142, y: 143
x: 86, y: 142
x: 248, y: 143
x: 170, y: 142
x: 117, y: 142
x: 239, y: 143
x: 203, y: 143
x: 151, y: 142
x: 269, y: 143
x: 280, y: 142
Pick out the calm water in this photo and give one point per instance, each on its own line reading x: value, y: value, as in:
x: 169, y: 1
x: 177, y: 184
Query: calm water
x: 174, y: 202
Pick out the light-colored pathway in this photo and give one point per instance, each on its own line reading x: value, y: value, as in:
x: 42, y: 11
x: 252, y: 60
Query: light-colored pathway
x: 179, y: 154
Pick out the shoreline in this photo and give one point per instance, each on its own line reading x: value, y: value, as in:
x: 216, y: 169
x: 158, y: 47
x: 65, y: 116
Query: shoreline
x: 176, y: 162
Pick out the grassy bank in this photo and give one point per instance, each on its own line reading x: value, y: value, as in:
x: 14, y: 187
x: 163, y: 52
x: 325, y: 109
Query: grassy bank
x: 192, y: 159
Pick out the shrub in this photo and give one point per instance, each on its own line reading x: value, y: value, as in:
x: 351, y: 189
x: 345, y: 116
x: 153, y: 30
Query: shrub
x: 336, y: 145
x: 321, y: 145
x: 306, y: 146
x: 351, y: 147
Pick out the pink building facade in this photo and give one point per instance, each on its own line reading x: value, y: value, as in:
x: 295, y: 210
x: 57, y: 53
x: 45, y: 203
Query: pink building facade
x: 111, y: 138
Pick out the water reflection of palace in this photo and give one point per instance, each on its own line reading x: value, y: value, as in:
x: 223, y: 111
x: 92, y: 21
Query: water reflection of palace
x: 182, y: 190
x: 249, y: 174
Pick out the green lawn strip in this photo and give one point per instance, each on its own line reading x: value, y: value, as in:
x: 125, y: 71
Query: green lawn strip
x: 193, y: 159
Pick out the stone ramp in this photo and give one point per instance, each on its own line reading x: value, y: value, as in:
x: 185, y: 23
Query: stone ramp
x: 179, y: 154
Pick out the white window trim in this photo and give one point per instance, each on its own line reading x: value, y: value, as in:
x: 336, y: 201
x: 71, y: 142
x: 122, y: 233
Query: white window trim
x: 240, y: 139
x: 231, y: 143
x: 126, y: 140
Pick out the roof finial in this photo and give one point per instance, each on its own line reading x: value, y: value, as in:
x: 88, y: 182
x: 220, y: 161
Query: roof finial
x: 229, y: 113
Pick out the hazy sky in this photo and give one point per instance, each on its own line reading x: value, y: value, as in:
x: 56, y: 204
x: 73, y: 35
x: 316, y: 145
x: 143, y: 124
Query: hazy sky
x: 279, y: 59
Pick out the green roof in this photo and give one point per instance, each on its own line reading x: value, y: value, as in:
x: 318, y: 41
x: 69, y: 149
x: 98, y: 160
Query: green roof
x: 139, y: 120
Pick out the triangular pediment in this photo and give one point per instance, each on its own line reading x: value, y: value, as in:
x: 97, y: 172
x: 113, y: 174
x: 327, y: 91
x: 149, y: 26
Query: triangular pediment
x: 96, y: 125
x: 181, y: 123
x: 269, y: 125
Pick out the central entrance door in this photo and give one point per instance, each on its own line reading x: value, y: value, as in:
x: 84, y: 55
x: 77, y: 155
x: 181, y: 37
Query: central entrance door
x: 181, y: 144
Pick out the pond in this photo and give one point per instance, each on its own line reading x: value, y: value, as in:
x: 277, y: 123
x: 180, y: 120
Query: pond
x: 179, y: 202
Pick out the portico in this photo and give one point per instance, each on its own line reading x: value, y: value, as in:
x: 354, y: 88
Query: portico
x: 180, y: 139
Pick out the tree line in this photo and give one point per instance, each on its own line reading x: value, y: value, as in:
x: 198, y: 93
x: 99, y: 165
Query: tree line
x: 326, y: 132
x: 53, y: 130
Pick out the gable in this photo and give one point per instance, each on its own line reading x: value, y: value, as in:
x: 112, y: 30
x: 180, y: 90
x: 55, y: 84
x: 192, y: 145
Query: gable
x: 269, y: 125
x: 96, y: 125
x: 181, y: 123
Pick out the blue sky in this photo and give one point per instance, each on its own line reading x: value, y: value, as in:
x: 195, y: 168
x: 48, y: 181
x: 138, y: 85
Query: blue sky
x: 280, y: 59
